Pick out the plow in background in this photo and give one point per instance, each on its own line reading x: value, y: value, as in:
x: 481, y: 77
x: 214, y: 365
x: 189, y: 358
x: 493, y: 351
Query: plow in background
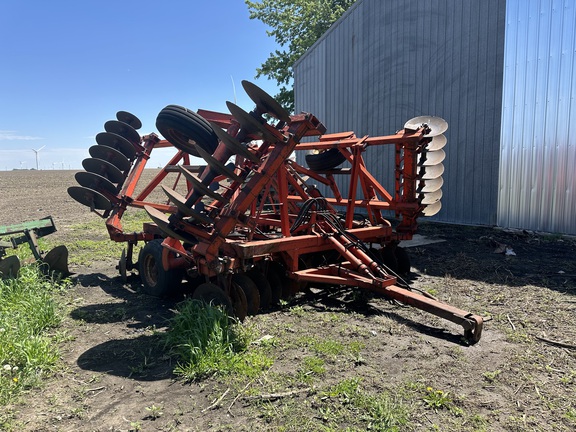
x: 250, y: 227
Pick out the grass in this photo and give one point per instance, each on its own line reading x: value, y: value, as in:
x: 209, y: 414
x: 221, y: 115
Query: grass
x: 207, y: 342
x: 29, y: 315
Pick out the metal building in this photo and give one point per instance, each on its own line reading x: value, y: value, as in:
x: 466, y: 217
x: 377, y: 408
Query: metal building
x: 501, y: 72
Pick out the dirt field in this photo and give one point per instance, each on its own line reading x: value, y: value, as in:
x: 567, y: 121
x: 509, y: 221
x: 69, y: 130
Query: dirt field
x: 520, y: 376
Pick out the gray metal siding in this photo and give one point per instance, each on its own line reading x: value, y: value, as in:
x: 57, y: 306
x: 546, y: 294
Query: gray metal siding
x: 538, y: 144
x: 385, y: 62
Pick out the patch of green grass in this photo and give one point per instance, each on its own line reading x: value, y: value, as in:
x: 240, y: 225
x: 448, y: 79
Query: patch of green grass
x: 207, y: 342
x: 28, y: 346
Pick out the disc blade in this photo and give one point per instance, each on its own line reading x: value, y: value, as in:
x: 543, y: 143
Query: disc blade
x: 118, y: 142
x: 103, y: 168
x: 89, y: 197
x: 217, y: 166
x: 431, y: 210
x: 111, y: 155
x: 437, y: 125
x: 249, y: 123
x: 129, y: 118
x: 163, y: 224
x: 201, y: 187
x: 95, y: 181
x: 431, y: 197
x: 57, y: 260
x: 178, y: 200
x: 437, y: 143
x: 9, y: 267
x: 431, y: 172
x: 429, y: 158
x: 122, y: 129
x: 264, y: 102
x: 431, y: 185
x: 233, y: 144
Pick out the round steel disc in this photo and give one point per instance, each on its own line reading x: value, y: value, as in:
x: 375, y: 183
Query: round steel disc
x: 429, y: 158
x: 117, y: 142
x: 239, y: 302
x: 201, y: 187
x: 437, y: 125
x: 123, y: 129
x: 212, y: 294
x: 217, y: 166
x: 9, y: 267
x: 431, y: 210
x: 103, y: 168
x: 431, y: 185
x: 431, y: 172
x: 111, y: 155
x: 89, y: 197
x: 129, y: 118
x: 95, y: 181
x: 431, y: 197
x: 249, y: 123
x: 233, y: 144
x: 264, y: 102
x: 437, y: 143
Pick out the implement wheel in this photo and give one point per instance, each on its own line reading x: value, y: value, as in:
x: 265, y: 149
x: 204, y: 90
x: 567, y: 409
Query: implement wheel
x: 157, y: 281
x: 325, y: 160
x: 179, y: 125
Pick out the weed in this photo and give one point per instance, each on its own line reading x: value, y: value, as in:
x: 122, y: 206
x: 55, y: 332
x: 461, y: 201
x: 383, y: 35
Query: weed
x: 155, y: 412
x: 491, y: 376
x: 207, y: 342
x: 437, y: 399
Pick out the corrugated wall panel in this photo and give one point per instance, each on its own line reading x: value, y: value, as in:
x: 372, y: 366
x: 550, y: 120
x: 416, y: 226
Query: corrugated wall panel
x: 385, y: 62
x: 538, y: 145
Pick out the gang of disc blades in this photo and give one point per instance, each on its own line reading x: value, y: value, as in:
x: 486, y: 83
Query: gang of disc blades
x: 233, y: 144
x: 111, y: 155
x: 129, y: 118
x: 103, y: 168
x: 265, y: 103
x: 122, y: 129
x: 249, y: 123
x: 437, y: 125
x: 431, y: 185
x: 438, y: 142
x: 431, y: 172
x: 431, y: 210
x: 178, y: 200
x: 216, y: 165
x: 95, y: 181
x: 432, y: 197
x: 89, y: 197
x: 429, y: 158
x: 117, y: 142
x: 201, y: 187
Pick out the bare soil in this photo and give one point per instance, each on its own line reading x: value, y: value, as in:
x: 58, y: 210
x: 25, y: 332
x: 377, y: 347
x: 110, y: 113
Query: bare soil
x: 520, y: 376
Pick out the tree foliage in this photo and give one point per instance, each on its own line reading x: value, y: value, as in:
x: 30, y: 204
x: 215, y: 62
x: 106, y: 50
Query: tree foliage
x: 295, y: 26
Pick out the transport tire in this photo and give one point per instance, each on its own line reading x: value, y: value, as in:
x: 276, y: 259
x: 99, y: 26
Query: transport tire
x: 178, y: 125
x: 402, y: 260
x: 156, y: 281
x: 326, y: 160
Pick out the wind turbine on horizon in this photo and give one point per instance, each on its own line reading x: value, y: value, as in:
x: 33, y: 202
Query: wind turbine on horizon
x: 37, y: 151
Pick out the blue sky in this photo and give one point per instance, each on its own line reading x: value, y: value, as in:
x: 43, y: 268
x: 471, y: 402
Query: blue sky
x: 68, y: 66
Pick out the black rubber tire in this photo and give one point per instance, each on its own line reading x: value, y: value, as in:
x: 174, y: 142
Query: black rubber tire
x: 263, y: 286
x: 213, y: 295
x: 329, y: 159
x: 388, y: 257
x: 403, y: 260
x: 178, y: 124
x: 156, y: 281
x: 250, y: 290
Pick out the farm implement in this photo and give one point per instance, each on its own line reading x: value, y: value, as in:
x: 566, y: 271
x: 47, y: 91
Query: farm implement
x: 251, y: 226
x: 11, y: 236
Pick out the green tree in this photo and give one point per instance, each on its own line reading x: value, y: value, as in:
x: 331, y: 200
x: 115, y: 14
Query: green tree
x: 295, y: 26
